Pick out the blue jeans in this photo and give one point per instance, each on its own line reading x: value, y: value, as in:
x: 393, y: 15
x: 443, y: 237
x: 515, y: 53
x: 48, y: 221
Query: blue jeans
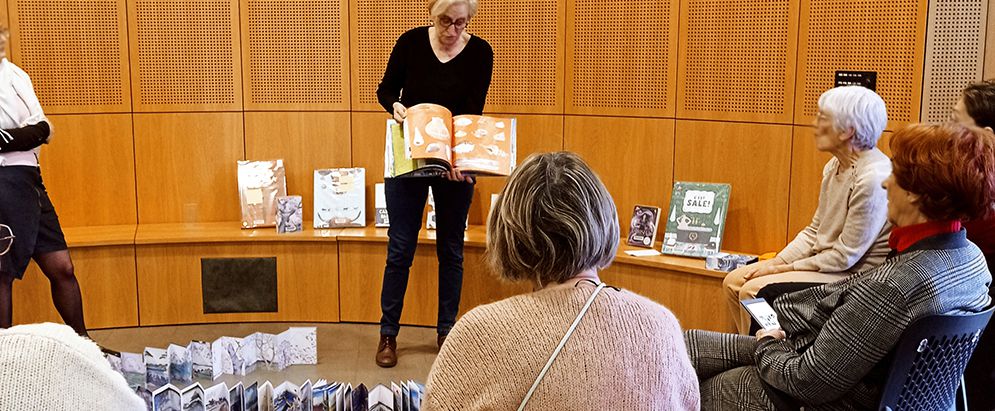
x: 405, y: 202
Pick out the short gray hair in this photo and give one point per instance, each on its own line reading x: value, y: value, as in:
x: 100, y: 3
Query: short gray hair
x: 553, y: 220
x: 857, y: 108
x: 437, y: 7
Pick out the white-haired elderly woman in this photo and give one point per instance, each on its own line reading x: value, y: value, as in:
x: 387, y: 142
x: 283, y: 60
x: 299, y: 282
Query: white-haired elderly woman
x: 444, y: 65
x: 849, y: 231
x: 554, y: 226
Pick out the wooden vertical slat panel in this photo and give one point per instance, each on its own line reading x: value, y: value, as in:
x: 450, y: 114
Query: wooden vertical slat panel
x: 756, y: 160
x: 307, y: 281
x: 528, y: 42
x: 609, y: 74
x: 76, y: 52
x: 296, y: 54
x: 89, y: 169
x: 737, y: 60
x: 885, y: 36
x: 633, y: 157
x: 990, y: 42
x: 186, y: 167
x: 373, y: 29
x: 185, y: 55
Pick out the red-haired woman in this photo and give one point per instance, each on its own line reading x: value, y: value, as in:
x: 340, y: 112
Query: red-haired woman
x: 829, y: 354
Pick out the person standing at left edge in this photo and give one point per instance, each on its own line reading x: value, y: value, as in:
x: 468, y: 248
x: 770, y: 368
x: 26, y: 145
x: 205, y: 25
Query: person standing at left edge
x: 440, y: 64
x: 24, y: 204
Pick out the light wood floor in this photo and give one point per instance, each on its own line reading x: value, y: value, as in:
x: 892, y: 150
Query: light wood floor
x: 345, y: 351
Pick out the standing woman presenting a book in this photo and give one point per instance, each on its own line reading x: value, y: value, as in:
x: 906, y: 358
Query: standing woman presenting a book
x: 444, y: 65
x: 24, y: 204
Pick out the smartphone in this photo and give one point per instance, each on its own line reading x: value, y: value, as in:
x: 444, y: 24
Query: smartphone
x: 762, y: 312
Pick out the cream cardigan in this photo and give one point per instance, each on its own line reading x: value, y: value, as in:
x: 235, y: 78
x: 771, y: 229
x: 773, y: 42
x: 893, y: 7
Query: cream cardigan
x: 627, y: 353
x: 49, y: 367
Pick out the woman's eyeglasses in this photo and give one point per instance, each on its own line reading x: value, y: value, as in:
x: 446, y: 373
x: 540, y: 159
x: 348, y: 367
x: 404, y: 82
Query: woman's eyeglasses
x: 445, y: 22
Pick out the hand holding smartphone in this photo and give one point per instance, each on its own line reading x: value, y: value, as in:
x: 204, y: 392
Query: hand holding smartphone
x: 762, y: 312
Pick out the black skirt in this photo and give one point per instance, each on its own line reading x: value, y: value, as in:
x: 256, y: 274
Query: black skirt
x: 27, y: 210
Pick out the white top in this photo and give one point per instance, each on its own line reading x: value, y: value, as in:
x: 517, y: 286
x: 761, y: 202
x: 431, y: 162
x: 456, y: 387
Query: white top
x: 850, y: 229
x: 19, y: 107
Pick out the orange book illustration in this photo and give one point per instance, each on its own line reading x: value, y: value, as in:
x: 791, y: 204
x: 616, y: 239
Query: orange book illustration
x: 476, y: 144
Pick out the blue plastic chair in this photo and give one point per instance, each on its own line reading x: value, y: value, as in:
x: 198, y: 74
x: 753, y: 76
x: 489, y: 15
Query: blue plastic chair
x: 928, y: 367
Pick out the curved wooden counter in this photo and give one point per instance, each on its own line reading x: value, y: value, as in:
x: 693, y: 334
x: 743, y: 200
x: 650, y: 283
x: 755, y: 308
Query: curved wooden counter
x: 150, y: 275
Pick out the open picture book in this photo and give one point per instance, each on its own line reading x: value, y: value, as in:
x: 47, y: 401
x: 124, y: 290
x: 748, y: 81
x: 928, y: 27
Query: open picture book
x: 431, y: 141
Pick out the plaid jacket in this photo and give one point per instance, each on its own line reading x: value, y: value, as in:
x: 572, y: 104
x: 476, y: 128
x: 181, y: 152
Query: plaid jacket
x: 840, y: 335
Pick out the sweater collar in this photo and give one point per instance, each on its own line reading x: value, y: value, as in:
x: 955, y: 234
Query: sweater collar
x: 903, y: 238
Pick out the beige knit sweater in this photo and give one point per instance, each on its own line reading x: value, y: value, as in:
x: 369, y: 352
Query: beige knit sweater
x: 628, y: 353
x: 49, y: 367
x: 849, y: 231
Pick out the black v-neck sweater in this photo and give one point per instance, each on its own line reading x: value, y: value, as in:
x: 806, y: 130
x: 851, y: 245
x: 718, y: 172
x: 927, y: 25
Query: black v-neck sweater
x: 415, y: 75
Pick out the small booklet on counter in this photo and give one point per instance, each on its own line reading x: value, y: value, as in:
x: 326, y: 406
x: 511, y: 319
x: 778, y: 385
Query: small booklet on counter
x: 642, y: 253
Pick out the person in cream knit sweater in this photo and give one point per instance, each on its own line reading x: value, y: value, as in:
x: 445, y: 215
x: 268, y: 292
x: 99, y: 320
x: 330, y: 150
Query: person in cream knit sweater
x: 48, y: 367
x: 555, y: 226
x: 849, y: 231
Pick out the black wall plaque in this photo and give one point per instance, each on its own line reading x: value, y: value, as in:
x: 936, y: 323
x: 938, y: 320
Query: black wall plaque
x: 868, y: 79
x: 238, y: 285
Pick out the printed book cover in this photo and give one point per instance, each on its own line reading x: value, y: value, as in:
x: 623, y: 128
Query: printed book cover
x: 642, y: 228
x: 696, y: 219
x: 340, y: 198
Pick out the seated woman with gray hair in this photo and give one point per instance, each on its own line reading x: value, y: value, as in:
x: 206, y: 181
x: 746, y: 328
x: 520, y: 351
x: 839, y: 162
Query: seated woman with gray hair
x: 831, y: 350
x: 573, y: 343
x: 849, y: 231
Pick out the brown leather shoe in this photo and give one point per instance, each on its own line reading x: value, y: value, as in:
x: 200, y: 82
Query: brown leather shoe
x: 441, y: 340
x: 387, y: 351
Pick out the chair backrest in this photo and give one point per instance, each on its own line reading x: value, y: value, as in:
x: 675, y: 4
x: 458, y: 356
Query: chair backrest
x: 929, y: 361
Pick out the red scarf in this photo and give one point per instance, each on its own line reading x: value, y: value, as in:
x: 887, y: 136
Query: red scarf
x: 904, y: 237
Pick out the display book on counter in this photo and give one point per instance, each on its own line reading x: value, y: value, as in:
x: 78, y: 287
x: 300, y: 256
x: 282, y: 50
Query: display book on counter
x: 260, y: 183
x: 696, y: 219
x: 321, y: 395
x: 431, y: 141
x: 180, y: 365
x: 340, y: 198
x: 643, y: 226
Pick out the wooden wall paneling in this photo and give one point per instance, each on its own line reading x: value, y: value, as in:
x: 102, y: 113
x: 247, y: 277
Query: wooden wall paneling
x: 361, y: 279
x: 89, y: 169
x: 609, y: 74
x: 186, y: 166
x: 990, y: 42
x: 186, y: 55
x: 373, y: 29
x: 107, y: 283
x: 954, y: 55
x: 755, y: 159
x: 528, y: 42
x: 169, y: 283
x: 885, y: 36
x: 807, y: 164
x: 296, y: 54
x: 633, y: 156
x: 737, y: 60
x: 368, y: 132
x: 76, y: 53
x: 306, y: 141
x: 536, y: 134
x: 696, y: 300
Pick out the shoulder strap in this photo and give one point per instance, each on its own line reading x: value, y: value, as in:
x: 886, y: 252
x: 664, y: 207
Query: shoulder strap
x: 559, y: 347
